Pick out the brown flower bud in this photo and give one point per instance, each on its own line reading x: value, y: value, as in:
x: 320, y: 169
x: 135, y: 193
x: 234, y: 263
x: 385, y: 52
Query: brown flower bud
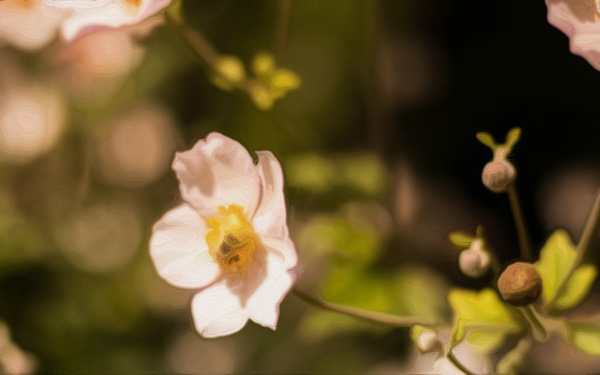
x: 498, y: 175
x: 520, y: 284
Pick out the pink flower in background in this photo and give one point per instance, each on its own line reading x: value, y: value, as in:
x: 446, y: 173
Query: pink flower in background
x: 95, y: 65
x: 88, y: 16
x: 229, y: 237
x: 33, y: 114
x: 28, y: 24
x: 580, y: 21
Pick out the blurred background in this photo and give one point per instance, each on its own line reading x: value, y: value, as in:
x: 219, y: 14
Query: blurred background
x: 377, y: 145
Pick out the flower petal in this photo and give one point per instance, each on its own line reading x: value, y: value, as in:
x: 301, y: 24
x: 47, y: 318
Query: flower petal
x: 581, y: 28
x: 179, y: 251
x: 263, y: 304
x: 29, y: 27
x: 284, y: 249
x: 90, y: 16
x: 271, y: 216
x: 215, y: 172
x: 218, y: 312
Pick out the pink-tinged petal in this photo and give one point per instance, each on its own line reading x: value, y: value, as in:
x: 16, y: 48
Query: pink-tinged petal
x: 151, y: 7
x: 270, y: 218
x: 263, y: 304
x: 284, y: 249
x: 218, y: 312
x: 217, y: 171
x: 88, y: 17
x: 583, y: 30
x: 28, y: 26
x: 179, y: 251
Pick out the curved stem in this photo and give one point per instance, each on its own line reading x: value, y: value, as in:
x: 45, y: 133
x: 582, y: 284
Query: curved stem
x: 370, y: 316
x: 515, y: 206
x: 452, y: 358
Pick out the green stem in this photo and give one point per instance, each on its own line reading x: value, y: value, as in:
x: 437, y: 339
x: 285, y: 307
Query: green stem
x: 452, y: 358
x: 195, y: 41
x: 532, y: 318
x: 515, y: 206
x: 590, y: 227
x: 282, y: 28
x: 370, y: 316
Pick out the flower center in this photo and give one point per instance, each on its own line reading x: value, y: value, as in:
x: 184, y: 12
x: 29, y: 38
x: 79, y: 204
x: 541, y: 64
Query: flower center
x: 231, y: 240
x: 131, y: 6
x: 23, y: 3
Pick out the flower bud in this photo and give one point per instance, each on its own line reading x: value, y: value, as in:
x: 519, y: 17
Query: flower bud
x: 520, y: 284
x: 425, y: 338
x: 498, y: 175
x: 474, y: 263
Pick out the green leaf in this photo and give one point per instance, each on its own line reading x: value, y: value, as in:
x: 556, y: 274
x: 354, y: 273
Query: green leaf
x: 312, y: 172
x: 482, y: 317
x: 576, y: 288
x: 586, y: 338
x: 487, y: 140
x: 512, y: 138
x: 557, y: 259
x: 461, y: 239
x: 514, y: 358
x: 484, y: 341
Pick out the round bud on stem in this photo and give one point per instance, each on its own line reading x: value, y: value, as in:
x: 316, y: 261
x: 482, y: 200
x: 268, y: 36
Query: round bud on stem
x: 426, y: 339
x: 498, y: 175
x: 474, y: 261
x: 520, y: 284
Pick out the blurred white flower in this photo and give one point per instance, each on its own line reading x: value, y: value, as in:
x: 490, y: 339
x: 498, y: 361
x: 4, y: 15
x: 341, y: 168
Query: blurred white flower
x: 28, y: 24
x: 135, y: 149
x: 32, y: 118
x: 89, y: 16
x: 13, y: 360
x: 95, y: 65
x: 100, y: 238
x: 580, y: 21
x: 230, y: 237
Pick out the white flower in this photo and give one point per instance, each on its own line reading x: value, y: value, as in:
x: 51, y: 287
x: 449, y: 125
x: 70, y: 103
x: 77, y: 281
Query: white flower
x: 32, y: 117
x: 87, y: 16
x: 28, y: 24
x: 230, y: 237
x: 580, y: 21
x: 13, y: 360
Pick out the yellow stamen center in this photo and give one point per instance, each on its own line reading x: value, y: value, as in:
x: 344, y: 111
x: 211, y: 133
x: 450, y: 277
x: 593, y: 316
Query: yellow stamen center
x: 231, y: 240
x: 23, y: 3
x: 131, y: 6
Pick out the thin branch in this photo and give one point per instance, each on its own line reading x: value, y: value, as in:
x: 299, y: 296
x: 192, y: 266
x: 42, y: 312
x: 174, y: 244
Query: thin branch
x: 452, y: 358
x: 282, y: 28
x: 370, y: 316
x: 590, y: 227
x: 515, y: 206
x: 195, y: 41
x: 531, y: 316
